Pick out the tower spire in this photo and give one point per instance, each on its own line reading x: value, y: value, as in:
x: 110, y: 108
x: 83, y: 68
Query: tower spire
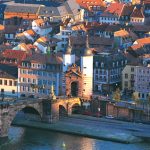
x: 87, y: 42
x: 69, y: 48
x: 87, y: 51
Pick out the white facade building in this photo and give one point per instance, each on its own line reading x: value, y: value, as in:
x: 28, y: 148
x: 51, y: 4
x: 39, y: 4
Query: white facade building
x: 87, y: 71
x: 63, y: 36
x: 41, y: 27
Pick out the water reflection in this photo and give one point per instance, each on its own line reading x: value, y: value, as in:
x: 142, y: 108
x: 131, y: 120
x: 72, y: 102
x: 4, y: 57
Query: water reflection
x: 34, y: 139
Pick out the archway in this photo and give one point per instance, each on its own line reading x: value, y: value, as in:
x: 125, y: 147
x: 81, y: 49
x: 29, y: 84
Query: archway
x: 76, y: 109
x: 27, y: 113
x: 74, y: 89
x: 62, y: 111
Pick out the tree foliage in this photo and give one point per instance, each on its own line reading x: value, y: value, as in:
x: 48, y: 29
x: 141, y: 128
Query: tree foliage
x: 117, y: 95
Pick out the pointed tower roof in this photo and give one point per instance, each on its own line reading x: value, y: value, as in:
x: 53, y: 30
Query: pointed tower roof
x: 69, y: 48
x: 87, y: 51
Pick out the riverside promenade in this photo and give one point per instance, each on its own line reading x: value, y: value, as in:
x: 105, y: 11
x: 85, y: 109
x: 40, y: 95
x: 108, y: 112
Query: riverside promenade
x: 99, y: 128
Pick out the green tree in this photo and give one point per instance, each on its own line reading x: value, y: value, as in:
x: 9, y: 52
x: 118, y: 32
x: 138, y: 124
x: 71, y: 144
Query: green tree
x: 135, y: 97
x: 117, y: 95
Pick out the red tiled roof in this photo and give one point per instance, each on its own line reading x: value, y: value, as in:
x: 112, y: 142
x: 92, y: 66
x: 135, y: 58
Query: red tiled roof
x: 39, y: 22
x: 115, y: 8
x: 146, y: 1
x: 121, y: 33
x: 44, y: 58
x: 143, y: 41
x: 30, y: 32
x: 87, y: 3
x: 2, y: 27
x: 136, y: 46
x: 14, y: 54
x: 127, y: 10
x: 138, y: 13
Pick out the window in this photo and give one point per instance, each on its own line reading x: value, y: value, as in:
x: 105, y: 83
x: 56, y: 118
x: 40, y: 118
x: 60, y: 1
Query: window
x: 113, y: 64
x: 143, y: 95
x: 10, y: 83
x: 132, y: 69
x: 126, y: 76
x: 132, y: 76
x: 126, y: 84
x: 34, y: 81
x: 1, y: 82
x: 96, y: 64
x: 102, y: 64
x: 15, y: 83
x: 29, y: 80
x: 13, y: 91
x: 24, y: 79
x: 5, y: 82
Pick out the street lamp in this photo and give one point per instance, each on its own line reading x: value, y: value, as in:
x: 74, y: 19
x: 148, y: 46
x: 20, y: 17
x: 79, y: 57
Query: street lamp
x: 99, y: 109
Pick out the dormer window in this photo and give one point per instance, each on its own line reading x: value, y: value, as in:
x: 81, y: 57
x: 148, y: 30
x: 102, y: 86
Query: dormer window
x: 102, y: 64
x: 113, y: 64
x: 96, y: 64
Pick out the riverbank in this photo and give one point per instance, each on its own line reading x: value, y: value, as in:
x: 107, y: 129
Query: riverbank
x: 82, y: 130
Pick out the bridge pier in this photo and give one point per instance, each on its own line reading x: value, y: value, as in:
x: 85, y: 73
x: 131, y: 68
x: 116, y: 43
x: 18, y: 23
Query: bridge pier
x: 47, y: 109
x: 3, y: 133
x: 55, y: 112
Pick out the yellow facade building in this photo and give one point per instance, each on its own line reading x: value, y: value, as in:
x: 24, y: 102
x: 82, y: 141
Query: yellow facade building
x: 128, y: 77
x: 8, y: 82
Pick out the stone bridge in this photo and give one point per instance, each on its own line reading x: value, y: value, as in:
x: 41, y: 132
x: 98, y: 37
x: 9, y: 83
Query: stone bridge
x: 47, y: 109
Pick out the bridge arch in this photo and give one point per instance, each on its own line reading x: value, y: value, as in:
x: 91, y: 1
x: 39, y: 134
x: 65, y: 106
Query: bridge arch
x: 75, y: 108
x: 11, y: 114
x: 62, y: 111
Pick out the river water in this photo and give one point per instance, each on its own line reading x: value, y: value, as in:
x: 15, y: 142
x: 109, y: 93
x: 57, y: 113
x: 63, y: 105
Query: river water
x: 34, y: 139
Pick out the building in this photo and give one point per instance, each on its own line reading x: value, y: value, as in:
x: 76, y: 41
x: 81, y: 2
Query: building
x: 92, y: 9
x: 107, y: 71
x: 8, y: 81
x: 42, y: 2
x: 78, y: 79
x: 147, y: 7
x: 87, y: 71
x: 41, y: 27
x: 142, y: 81
x: 16, y: 11
x: 124, y: 39
x: 63, y: 35
x: 137, y: 16
x: 54, y: 13
x: 2, y: 28
x: 136, y: 78
x: 12, y: 57
x: 46, y: 45
x: 128, y: 78
x: 37, y: 73
x: 116, y: 13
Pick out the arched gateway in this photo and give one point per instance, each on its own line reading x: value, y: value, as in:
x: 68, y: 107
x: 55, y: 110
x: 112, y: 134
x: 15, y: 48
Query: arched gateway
x: 73, y: 81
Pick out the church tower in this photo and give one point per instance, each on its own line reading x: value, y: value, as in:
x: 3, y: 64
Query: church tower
x: 68, y: 60
x: 68, y: 57
x: 87, y: 71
